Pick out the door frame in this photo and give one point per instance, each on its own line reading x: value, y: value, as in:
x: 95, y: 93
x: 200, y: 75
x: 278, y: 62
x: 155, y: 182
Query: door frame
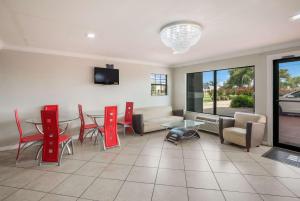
x: 275, y: 103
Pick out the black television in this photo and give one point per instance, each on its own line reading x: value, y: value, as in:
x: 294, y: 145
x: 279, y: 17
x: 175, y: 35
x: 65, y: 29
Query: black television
x: 106, y: 76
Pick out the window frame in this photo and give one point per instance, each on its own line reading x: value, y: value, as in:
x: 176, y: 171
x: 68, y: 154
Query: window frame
x: 160, y: 83
x: 215, y: 79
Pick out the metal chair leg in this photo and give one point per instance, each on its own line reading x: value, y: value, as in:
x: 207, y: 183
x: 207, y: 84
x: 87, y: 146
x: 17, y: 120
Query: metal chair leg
x: 38, y: 152
x: 72, y: 146
x: 62, y: 151
x: 133, y: 130
x: 18, y: 151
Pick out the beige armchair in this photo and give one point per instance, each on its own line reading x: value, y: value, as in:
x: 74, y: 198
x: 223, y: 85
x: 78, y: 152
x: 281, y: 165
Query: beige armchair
x: 244, y: 129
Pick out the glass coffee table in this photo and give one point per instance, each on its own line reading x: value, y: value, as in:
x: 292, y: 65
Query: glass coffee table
x: 180, y: 130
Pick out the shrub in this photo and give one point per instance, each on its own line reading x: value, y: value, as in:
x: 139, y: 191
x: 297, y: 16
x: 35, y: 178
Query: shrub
x: 242, y: 101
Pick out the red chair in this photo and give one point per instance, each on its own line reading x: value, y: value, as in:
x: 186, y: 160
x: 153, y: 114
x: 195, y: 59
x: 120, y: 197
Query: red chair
x: 52, y: 138
x: 108, y: 134
x: 127, y: 122
x: 51, y: 107
x: 24, y: 140
x: 92, y: 128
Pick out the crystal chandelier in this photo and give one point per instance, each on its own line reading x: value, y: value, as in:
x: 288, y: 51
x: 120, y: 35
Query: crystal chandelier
x: 180, y: 36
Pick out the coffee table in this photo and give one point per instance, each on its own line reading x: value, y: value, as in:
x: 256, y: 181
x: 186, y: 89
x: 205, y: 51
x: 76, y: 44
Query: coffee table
x: 180, y: 130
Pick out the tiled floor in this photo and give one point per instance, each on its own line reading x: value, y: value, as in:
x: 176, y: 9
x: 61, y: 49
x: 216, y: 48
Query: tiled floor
x: 146, y: 168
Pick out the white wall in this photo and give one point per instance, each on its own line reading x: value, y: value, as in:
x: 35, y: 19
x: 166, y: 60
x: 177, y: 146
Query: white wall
x: 263, y: 81
x: 30, y: 80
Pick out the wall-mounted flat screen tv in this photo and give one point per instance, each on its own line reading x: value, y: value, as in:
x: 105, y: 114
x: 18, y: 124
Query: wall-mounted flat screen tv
x: 106, y: 76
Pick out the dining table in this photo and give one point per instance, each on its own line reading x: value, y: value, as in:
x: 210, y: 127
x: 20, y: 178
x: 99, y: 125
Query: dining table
x: 62, y: 120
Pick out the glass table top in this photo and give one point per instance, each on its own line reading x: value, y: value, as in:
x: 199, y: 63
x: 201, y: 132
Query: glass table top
x: 182, y: 124
x: 62, y: 119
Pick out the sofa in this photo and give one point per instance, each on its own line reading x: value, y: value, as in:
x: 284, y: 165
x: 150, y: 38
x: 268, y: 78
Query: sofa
x: 245, y: 129
x: 149, y: 119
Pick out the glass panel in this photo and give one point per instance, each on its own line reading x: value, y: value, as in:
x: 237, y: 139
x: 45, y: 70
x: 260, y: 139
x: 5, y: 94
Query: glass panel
x: 235, y: 91
x: 208, y: 92
x: 200, y: 91
x: 289, y: 103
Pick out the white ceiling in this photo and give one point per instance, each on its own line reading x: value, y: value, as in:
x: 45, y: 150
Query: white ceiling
x: 129, y: 29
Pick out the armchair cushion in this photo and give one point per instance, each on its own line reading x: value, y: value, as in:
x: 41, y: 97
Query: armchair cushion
x: 241, y: 119
x: 235, y: 135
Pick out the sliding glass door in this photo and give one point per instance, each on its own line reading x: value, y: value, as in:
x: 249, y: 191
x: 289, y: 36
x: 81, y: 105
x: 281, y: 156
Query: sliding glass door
x: 287, y: 103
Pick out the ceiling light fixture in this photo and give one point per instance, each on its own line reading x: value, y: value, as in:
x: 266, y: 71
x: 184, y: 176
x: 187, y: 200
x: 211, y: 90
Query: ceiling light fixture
x: 91, y: 35
x: 295, y: 17
x: 181, y: 35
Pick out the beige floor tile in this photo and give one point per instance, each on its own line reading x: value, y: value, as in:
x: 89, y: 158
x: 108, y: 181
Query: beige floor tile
x: 132, y: 191
x: 83, y: 155
x: 125, y: 159
x: 267, y: 185
x: 236, y: 196
x: 6, y: 191
x: 198, y: 179
x: 93, y: 169
x: 103, y: 190
x: 75, y: 185
x: 170, y: 145
x: 47, y: 181
x: 104, y: 157
x: 195, y: 164
x: 205, y: 195
x: 188, y: 154
x: 252, y: 168
x: 23, y: 178
x: 115, y: 171
x: 281, y: 170
x: 151, y: 151
x: 278, y: 198
x: 142, y: 174
x: 53, y: 197
x: 239, y: 156
x: 7, y: 172
x: 223, y: 166
x: 171, y: 163
x: 172, y: 153
x: 67, y: 166
x: 169, y: 193
x: 25, y: 195
x: 233, y: 182
x: 147, y: 161
x: 171, y: 177
x: 216, y: 155
x: 292, y: 184
x: 131, y: 150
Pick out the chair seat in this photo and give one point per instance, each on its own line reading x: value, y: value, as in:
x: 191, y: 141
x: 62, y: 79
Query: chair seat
x: 90, y: 126
x: 33, y: 138
x: 64, y: 137
x: 125, y: 122
x: 235, y: 135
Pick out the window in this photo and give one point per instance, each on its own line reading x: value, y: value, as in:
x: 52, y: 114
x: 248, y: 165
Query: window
x: 221, y: 92
x: 159, y: 86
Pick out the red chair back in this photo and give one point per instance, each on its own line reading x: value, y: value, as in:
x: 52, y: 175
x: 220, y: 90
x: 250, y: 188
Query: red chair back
x: 51, y: 107
x: 110, y: 127
x: 128, y: 112
x: 51, y: 135
x: 81, y: 114
x: 18, y: 124
x: 81, y: 133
